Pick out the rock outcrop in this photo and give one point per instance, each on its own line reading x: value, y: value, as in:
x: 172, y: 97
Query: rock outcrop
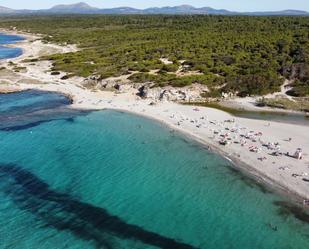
x: 192, y: 93
x: 95, y: 82
x: 148, y: 90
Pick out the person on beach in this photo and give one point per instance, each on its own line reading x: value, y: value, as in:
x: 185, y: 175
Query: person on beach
x: 298, y: 154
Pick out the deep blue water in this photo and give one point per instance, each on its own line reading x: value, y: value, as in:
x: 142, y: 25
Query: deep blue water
x: 9, y: 39
x: 30, y: 108
x: 30, y: 101
x: 108, y: 179
x: 7, y: 52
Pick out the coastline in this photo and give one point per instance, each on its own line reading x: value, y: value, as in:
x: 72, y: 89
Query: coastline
x: 37, y: 77
x: 236, y: 163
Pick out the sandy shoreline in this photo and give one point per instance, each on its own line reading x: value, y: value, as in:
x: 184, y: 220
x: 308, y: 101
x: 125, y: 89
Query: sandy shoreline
x: 244, y: 168
x: 205, y: 125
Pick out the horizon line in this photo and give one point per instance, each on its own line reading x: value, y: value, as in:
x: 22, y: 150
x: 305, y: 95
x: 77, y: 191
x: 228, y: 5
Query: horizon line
x: 160, y: 6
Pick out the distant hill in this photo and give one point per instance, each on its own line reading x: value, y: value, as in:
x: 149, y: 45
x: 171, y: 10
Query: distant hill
x: 185, y: 9
x: 280, y: 13
x: 83, y: 8
x: 78, y: 8
x: 4, y: 10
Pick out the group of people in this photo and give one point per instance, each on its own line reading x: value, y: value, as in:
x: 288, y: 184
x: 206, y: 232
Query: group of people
x: 253, y: 140
x: 229, y: 132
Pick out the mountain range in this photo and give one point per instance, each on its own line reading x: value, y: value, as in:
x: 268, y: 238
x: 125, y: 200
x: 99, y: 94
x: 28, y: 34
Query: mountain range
x: 83, y: 8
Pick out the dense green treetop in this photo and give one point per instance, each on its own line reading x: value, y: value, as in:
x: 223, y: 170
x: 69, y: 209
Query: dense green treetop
x: 247, y: 55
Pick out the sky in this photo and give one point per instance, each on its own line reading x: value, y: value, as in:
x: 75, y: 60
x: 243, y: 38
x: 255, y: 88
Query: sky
x: 234, y: 5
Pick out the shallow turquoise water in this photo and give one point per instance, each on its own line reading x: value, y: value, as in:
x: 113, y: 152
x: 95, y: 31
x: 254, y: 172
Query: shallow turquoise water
x: 113, y: 180
x: 7, y: 52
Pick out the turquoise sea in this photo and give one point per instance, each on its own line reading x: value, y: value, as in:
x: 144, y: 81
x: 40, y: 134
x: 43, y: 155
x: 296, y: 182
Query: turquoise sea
x: 105, y: 179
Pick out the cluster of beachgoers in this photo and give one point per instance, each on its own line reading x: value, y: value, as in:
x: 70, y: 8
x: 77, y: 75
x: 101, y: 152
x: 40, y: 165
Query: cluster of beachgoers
x: 274, y: 152
x: 231, y: 132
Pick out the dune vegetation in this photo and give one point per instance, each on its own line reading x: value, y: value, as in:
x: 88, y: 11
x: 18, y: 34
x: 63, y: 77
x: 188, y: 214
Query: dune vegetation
x: 239, y: 54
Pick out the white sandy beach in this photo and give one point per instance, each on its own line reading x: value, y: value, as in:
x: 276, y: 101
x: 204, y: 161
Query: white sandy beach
x: 250, y: 142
